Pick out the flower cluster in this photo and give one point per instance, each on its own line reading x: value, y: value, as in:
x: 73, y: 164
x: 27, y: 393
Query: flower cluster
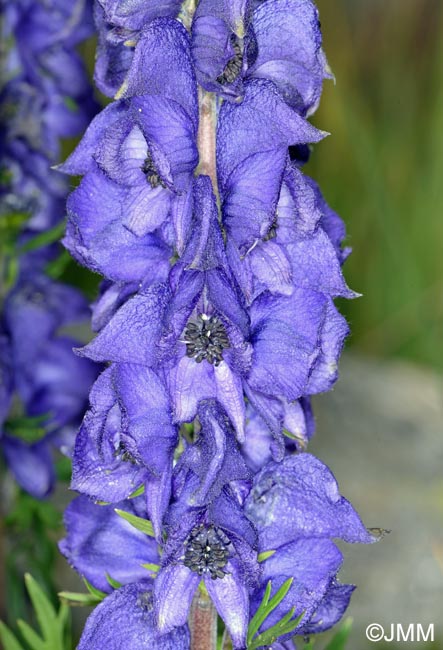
x: 216, y: 321
x: 44, y: 96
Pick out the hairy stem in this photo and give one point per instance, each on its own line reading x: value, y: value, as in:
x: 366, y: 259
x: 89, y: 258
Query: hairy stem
x: 203, y: 623
x: 206, y: 139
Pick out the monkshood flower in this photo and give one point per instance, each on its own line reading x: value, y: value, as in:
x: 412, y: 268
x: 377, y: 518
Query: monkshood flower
x: 50, y: 382
x: 126, y: 619
x: 252, y: 153
x: 302, y: 247
x: 139, y: 154
x: 196, y: 332
x: 278, y: 40
x: 263, y: 440
x: 42, y: 56
x: 297, y: 510
x: 119, y: 24
x: 215, y: 544
x: 100, y: 544
x: 28, y: 188
x: 126, y: 440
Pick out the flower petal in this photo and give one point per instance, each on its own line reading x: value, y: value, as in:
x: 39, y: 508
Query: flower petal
x: 299, y: 498
x: 131, y: 335
x: 130, y: 611
x: 174, y: 589
x: 231, y: 599
x: 100, y: 542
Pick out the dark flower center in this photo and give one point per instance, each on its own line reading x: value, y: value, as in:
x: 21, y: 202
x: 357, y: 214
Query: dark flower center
x: 234, y: 65
x: 145, y: 601
x: 207, y: 551
x: 272, y: 232
x: 150, y: 171
x: 206, y: 338
x: 124, y: 455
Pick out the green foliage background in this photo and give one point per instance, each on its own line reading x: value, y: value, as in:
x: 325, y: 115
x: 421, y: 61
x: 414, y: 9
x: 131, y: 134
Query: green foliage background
x: 382, y: 168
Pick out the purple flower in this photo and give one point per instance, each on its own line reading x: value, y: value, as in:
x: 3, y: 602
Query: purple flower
x: 140, y: 155
x: 302, y: 247
x: 252, y: 152
x: 96, y: 234
x: 196, y: 332
x: 297, y: 509
x: 126, y: 440
x: 100, y: 543
x: 31, y: 465
x: 119, y: 24
x: 229, y: 569
x: 40, y: 367
x: 264, y: 440
x: 277, y: 40
x: 125, y: 618
x: 214, y: 458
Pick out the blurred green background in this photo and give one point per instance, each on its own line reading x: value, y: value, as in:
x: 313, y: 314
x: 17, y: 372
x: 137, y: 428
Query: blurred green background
x: 382, y: 168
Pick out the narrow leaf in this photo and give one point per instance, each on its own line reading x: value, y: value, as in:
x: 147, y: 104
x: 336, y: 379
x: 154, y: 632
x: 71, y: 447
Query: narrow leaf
x: 268, y: 637
x: 44, y: 238
x: 151, y: 567
x: 74, y: 599
x: 140, y: 490
x: 144, y: 525
x: 8, y: 639
x: 267, y: 606
x: 100, y: 595
x: 114, y: 583
x: 44, y: 611
x: 265, y: 555
x: 260, y: 614
x: 30, y: 636
x: 63, y: 615
x: 339, y: 640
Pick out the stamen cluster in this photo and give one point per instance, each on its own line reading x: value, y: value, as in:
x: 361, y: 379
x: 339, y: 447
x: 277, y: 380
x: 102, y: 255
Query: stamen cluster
x: 207, y: 551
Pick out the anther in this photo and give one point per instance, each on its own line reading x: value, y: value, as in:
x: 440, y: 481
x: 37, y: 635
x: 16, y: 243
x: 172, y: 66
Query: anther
x: 150, y: 171
x: 206, y: 338
x: 207, y: 551
x: 234, y: 65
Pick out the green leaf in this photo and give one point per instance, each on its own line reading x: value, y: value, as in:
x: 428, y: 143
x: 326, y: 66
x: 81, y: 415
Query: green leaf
x: 267, y: 606
x: 137, y: 492
x: 100, y: 595
x: 339, y: 640
x: 284, y: 626
x: 31, y: 637
x: 265, y: 555
x: 29, y: 429
x: 63, y: 615
x: 151, y: 567
x: 44, y: 611
x: 74, y: 599
x: 44, y: 238
x: 57, y: 267
x: 70, y: 104
x: 144, y: 525
x: 114, y: 583
x: 292, y: 436
x: 8, y: 639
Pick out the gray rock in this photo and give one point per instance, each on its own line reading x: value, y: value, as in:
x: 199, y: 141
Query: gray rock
x: 381, y: 432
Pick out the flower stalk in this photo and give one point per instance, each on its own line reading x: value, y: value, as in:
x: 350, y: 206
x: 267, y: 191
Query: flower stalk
x: 203, y: 623
x: 206, y: 139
